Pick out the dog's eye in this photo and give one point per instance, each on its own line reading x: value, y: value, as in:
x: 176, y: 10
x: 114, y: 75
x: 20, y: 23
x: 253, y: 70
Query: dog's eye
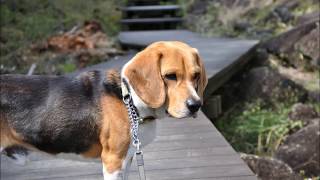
x: 171, y: 76
x: 196, y: 76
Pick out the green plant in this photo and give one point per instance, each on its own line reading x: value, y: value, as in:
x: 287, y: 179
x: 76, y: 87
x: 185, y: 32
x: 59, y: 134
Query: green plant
x: 67, y: 68
x: 258, y: 129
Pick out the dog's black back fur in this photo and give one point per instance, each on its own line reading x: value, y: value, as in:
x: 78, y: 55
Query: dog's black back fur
x: 55, y: 113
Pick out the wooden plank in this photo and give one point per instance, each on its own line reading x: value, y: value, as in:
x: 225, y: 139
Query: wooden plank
x: 172, y: 163
x: 194, y: 136
x: 54, y: 172
x: 195, y: 172
x: 185, y: 130
x: 95, y: 177
x: 229, y: 178
x: 148, y: 2
x: 173, y: 124
x: 74, y: 168
x: 149, y: 157
x: 151, y: 20
x: 13, y: 169
x: 134, y: 38
x: 177, y: 145
x: 156, y: 171
x: 186, y: 153
x: 151, y: 8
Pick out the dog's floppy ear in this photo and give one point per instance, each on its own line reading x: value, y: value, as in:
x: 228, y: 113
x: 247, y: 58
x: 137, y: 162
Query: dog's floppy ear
x: 203, y: 81
x: 144, y: 76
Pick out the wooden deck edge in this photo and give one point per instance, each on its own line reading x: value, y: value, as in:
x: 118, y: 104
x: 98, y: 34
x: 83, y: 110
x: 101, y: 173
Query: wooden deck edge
x: 224, y: 75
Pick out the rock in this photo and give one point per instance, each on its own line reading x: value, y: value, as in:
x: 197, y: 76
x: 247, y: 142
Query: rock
x: 267, y: 84
x: 307, y: 18
x: 267, y: 168
x: 198, y: 7
x: 284, y: 14
x: 301, y: 150
x: 314, y: 96
x: 242, y: 26
x: 263, y: 33
x: 309, y: 45
x: 299, y: 47
x: 302, y: 112
x: 260, y: 57
x: 291, y: 4
x: 237, y: 3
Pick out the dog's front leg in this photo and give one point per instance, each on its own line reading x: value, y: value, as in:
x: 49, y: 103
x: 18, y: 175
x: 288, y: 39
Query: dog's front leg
x: 114, y: 151
x: 121, y: 174
x: 111, y: 164
x: 114, y: 137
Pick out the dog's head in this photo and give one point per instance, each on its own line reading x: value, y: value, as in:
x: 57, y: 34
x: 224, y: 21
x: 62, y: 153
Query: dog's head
x: 166, y: 77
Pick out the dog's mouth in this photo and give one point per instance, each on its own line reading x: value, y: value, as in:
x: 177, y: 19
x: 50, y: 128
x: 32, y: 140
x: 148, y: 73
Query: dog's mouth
x: 168, y: 114
x: 193, y: 115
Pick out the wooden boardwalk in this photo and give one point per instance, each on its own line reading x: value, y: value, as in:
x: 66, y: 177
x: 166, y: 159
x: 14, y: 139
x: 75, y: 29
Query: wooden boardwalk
x: 183, y: 149
x: 222, y: 56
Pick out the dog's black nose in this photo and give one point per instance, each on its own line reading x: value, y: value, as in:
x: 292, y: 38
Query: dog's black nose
x: 193, y: 105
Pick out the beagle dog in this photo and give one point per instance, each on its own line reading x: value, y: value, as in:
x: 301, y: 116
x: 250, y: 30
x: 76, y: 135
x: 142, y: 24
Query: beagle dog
x: 85, y: 114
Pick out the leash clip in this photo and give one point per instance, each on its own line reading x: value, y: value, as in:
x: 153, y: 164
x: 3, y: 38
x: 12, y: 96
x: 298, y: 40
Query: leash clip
x: 137, y: 144
x: 140, y: 164
x: 126, y: 98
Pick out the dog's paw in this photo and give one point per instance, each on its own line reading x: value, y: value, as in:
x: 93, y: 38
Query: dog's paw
x: 19, y: 159
x: 16, y: 154
x: 117, y: 175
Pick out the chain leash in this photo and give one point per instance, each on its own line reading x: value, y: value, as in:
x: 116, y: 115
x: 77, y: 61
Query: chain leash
x: 134, y: 128
x: 134, y: 120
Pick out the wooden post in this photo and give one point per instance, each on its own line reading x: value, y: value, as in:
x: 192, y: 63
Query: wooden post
x: 212, y: 107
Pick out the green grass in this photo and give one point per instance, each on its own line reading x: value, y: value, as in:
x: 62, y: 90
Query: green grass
x: 258, y: 129
x: 26, y: 22
x: 68, y: 67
